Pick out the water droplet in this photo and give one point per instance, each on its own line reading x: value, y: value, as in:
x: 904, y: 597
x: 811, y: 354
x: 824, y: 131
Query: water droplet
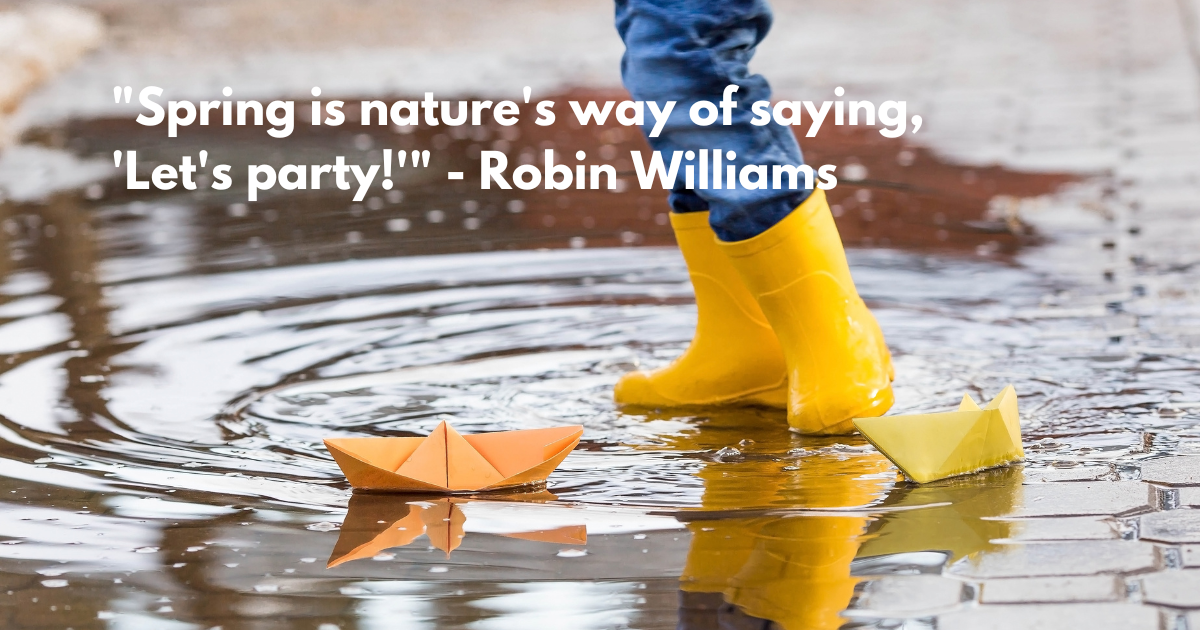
x: 854, y: 172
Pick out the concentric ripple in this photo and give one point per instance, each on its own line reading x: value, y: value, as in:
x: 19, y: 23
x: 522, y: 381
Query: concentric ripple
x: 226, y: 384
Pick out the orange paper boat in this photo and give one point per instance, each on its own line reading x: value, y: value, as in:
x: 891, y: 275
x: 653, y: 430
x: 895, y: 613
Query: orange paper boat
x: 449, y: 462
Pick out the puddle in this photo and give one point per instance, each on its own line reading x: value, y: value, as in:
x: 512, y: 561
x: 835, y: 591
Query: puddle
x: 171, y: 363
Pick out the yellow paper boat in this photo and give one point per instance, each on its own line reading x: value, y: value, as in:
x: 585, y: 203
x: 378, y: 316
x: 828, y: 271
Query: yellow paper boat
x: 375, y: 523
x: 932, y: 446
x: 446, y: 462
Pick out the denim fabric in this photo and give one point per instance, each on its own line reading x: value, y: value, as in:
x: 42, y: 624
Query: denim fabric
x: 688, y: 51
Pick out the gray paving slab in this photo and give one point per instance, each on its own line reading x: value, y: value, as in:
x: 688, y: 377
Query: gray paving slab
x: 1173, y: 471
x: 1189, y: 497
x: 1110, y: 498
x: 1053, y: 617
x: 906, y: 596
x: 1179, y: 589
x: 1090, y: 557
x: 1065, y: 528
x: 1082, y: 588
x: 1172, y: 526
x: 1191, y: 556
x: 1077, y: 473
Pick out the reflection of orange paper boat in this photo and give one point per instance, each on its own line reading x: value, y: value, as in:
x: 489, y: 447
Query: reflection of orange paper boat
x: 375, y: 523
x: 449, y: 462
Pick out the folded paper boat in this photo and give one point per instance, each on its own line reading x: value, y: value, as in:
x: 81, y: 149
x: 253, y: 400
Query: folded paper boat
x: 446, y: 462
x: 932, y: 446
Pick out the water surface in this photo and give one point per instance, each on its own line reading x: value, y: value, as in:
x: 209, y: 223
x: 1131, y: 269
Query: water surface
x: 172, y: 363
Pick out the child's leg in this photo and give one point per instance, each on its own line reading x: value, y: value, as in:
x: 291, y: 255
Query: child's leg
x: 689, y: 51
x: 782, y: 244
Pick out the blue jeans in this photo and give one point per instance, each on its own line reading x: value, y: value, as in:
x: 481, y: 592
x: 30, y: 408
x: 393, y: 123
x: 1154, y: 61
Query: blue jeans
x: 688, y: 51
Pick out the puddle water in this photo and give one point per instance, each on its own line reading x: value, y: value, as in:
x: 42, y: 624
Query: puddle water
x: 172, y: 362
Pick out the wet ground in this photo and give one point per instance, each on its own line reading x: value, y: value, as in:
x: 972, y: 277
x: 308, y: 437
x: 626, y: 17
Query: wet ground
x: 171, y: 363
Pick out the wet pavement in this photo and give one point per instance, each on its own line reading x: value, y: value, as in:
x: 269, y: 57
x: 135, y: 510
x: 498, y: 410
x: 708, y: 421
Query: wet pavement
x: 171, y: 363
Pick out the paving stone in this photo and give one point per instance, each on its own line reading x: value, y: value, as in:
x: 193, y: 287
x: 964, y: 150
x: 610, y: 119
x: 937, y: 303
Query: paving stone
x: 1066, y: 528
x: 1077, y: 473
x: 1191, y: 557
x: 1173, y: 471
x: 1060, y: 558
x: 1180, y: 589
x: 1053, y: 617
x: 1110, y: 498
x: 906, y: 596
x: 1083, y: 588
x: 1189, y: 497
x: 1172, y: 526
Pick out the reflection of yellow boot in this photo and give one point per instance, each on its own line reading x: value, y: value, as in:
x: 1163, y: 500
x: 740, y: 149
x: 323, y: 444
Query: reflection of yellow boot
x: 799, y: 575
x: 793, y: 570
x: 734, y: 356
x: 838, y: 365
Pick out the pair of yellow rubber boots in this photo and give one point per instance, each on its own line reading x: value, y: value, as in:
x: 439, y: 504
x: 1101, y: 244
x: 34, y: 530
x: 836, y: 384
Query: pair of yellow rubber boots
x: 780, y: 324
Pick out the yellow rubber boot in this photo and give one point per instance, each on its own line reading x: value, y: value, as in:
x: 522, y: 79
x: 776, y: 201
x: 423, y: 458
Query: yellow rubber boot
x: 734, y: 357
x: 838, y: 365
